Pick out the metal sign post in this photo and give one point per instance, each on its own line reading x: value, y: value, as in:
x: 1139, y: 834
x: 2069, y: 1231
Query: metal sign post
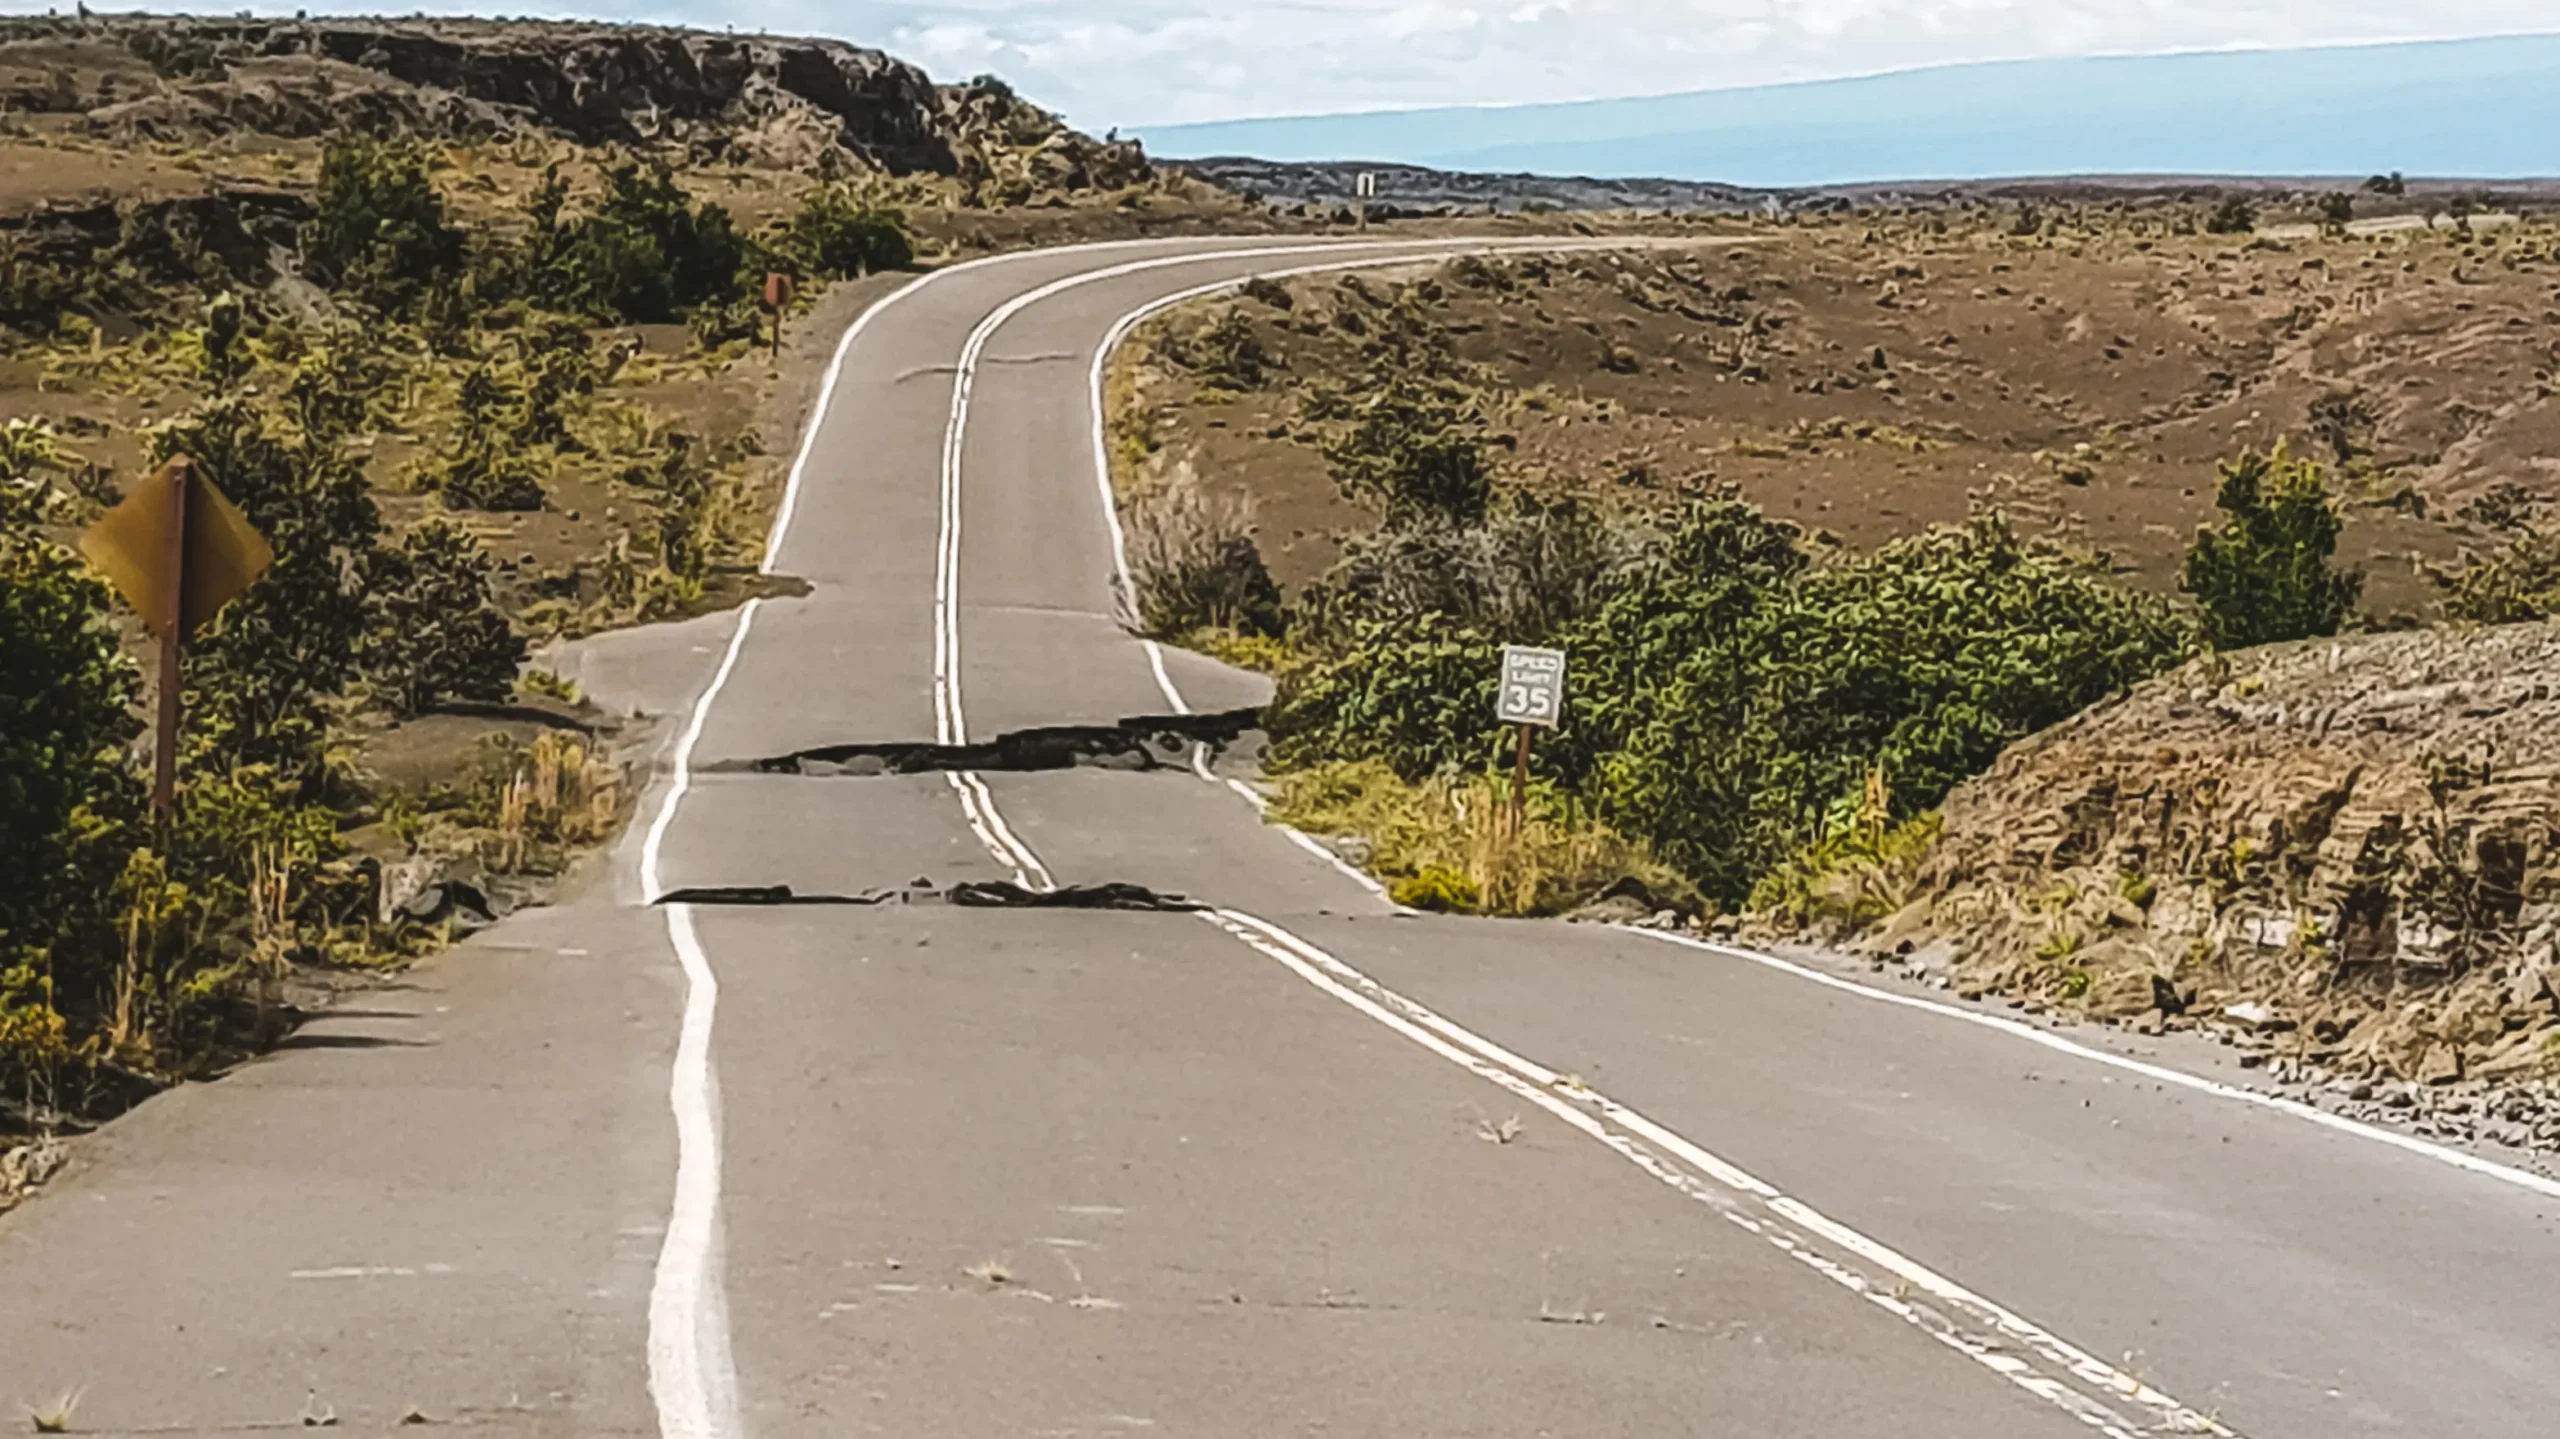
x: 777, y: 293
x: 1531, y: 696
x: 178, y: 552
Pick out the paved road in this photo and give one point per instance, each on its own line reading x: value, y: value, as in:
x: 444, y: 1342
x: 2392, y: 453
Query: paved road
x: 1299, y: 1165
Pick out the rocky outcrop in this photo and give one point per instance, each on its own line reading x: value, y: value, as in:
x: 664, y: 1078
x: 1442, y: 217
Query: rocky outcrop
x: 2360, y: 836
x: 756, y: 99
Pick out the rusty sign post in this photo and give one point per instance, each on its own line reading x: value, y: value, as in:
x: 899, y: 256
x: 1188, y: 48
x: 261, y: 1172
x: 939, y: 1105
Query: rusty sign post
x: 777, y: 293
x: 1531, y: 696
x: 178, y: 552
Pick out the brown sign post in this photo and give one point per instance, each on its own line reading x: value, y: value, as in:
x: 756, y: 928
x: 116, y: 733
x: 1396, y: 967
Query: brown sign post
x: 178, y: 552
x: 777, y: 293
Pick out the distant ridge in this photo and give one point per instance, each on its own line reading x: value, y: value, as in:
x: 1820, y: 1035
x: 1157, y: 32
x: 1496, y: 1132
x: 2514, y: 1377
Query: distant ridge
x: 2485, y: 108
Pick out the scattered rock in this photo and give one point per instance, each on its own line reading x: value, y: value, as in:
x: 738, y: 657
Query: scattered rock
x: 2440, y: 1064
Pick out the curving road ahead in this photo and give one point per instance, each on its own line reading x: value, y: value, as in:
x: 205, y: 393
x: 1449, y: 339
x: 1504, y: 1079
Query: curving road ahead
x: 1299, y: 1164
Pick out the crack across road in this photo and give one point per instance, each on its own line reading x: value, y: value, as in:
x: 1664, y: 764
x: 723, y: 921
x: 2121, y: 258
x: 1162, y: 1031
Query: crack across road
x: 1143, y: 742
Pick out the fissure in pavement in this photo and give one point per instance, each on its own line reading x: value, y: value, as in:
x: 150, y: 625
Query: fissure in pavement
x: 972, y: 894
x: 1139, y: 743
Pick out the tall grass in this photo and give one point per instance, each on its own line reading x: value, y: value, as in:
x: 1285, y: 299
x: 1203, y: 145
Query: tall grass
x: 1448, y: 843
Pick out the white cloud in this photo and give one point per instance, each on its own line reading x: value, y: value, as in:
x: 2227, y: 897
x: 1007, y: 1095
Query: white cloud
x: 1131, y: 62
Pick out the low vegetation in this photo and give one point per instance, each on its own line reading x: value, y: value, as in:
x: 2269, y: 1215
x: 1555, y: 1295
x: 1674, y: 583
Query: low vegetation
x: 132, y: 952
x: 1759, y: 712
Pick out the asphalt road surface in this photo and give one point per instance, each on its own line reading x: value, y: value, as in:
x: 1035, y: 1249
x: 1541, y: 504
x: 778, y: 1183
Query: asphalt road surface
x: 1299, y: 1164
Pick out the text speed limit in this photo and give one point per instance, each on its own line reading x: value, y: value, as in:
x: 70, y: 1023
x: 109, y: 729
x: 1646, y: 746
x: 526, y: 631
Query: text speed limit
x: 1532, y: 686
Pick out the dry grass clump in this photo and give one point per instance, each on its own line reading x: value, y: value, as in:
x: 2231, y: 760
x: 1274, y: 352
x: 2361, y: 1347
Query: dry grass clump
x: 558, y: 796
x: 1448, y: 844
x: 1193, y: 559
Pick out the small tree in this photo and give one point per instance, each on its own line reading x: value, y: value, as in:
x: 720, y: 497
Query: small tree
x: 378, y: 226
x: 2337, y: 208
x: 1414, y: 453
x: 2233, y: 216
x: 438, y: 634
x: 261, y: 676
x: 66, y: 714
x: 2265, y: 573
x: 646, y: 254
x: 837, y: 234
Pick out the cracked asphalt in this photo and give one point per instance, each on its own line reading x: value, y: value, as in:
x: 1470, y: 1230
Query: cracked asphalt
x: 1298, y: 1165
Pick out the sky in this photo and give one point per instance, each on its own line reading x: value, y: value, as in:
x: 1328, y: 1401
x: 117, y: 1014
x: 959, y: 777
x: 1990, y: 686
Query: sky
x: 1131, y: 63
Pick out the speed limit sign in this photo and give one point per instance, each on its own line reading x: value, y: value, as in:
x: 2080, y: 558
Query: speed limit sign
x: 1532, y: 686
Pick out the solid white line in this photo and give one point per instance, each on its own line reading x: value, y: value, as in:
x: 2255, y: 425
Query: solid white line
x: 1155, y: 661
x: 691, y: 1374
x: 650, y: 883
x: 950, y: 712
x: 1780, y: 1219
x: 2411, y: 1144
x: 1123, y: 591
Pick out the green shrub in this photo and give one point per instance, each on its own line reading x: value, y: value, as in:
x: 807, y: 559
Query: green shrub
x: 483, y: 468
x: 262, y: 674
x: 1413, y: 453
x: 1729, y: 695
x: 1529, y: 567
x: 2265, y: 573
x: 2234, y: 215
x: 1195, y: 565
x: 438, y: 633
x: 1446, y: 843
x: 645, y: 254
x: 1441, y: 891
x: 2520, y: 582
x: 67, y: 712
x: 378, y: 228
x: 482, y: 473
x: 838, y: 234
x: 1225, y: 353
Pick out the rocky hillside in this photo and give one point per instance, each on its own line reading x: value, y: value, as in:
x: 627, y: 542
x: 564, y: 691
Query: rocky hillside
x: 2347, y: 842
x: 816, y: 105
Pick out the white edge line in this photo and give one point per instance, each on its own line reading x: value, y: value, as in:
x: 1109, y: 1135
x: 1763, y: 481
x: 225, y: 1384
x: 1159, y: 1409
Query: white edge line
x: 1522, y: 1076
x: 1550, y: 1092
x: 2442, y: 1154
x: 691, y: 1373
x: 1121, y: 584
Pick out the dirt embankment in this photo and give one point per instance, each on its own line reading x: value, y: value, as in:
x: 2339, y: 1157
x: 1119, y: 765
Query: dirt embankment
x: 1878, y: 374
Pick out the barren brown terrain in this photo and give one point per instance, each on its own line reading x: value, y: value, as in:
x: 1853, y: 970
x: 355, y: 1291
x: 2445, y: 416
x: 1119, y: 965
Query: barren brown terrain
x: 1869, y: 376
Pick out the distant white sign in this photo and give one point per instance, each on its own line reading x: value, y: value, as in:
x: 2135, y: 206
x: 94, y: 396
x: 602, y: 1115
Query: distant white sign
x: 1365, y: 184
x: 1532, y: 686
